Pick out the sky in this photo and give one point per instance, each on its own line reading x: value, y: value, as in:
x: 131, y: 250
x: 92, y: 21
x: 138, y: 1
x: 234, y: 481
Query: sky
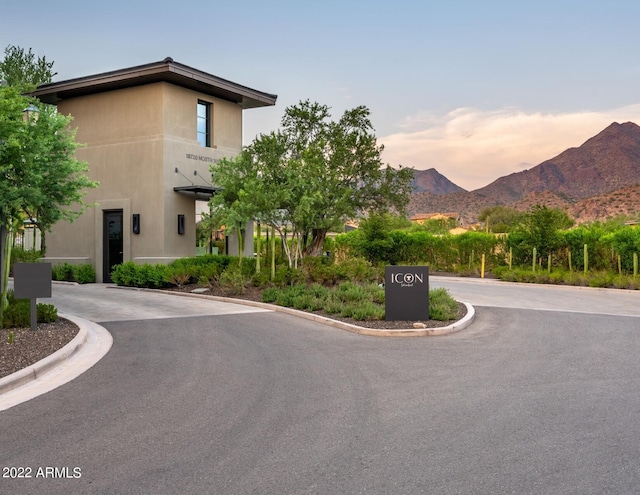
x: 476, y: 90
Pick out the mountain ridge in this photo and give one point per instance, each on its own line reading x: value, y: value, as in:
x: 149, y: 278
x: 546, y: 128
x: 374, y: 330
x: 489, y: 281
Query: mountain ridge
x: 431, y: 180
x: 604, y: 163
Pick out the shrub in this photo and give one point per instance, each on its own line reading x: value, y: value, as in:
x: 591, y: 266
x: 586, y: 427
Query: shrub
x: 358, y: 269
x: 303, y: 301
x: 575, y: 278
x: 123, y: 274
x: 442, y: 306
x: 319, y: 291
x: 84, y: 274
x: 261, y: 279
x: 130, y: 274
x: 601, y: 279
x: 270, y: 294
x: 368, y: 311
x: 376, y: 293
x: 209, y: 275
x: 621, y: 282
x: 150, y: 276
x: 349, y: 292
x: 177, y: 275
x: 20, y: 255
x: 287, y: 296
x: 320, y: 269
x: 18, y: 313
x: 232, y: 281
x: 346, y: 311
x: 556, y: 277
x: 288, y: 276
x: 333, y: 306
x: 62, y: 272
x: 350, y: 300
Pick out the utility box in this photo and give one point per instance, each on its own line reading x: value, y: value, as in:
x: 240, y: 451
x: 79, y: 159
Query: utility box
x: 406, y: 291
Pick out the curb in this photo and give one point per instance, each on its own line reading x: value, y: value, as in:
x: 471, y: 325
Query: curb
x: 464, y: 322
x: 36, y: 370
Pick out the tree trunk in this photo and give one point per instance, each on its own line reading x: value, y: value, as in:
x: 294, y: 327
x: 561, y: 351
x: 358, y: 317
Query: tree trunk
x: 258, y: 248
x: 43, y: 242
x: 317, y: 241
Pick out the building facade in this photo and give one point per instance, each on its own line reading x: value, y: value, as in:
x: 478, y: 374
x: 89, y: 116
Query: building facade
x: 151, y: 134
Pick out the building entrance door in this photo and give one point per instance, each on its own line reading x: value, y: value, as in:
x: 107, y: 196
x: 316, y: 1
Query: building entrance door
x: 113, y: 246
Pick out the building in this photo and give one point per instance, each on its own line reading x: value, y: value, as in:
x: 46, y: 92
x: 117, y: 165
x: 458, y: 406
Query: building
x: 151, y: 134
x: 423, y: 217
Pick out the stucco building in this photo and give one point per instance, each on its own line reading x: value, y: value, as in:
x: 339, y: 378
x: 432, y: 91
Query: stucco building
x: 151, y: 134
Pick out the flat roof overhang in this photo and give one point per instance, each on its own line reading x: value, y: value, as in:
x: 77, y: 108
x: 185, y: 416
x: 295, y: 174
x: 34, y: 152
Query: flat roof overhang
x: 164, y: 71
x: 202, y: 193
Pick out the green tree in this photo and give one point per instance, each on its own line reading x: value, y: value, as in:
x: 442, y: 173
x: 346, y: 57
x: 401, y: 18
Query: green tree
x: 538, y: 228
x: 39, y: 174
x: 23, y: 69
x: 500, y: 219
x: 311, y: 176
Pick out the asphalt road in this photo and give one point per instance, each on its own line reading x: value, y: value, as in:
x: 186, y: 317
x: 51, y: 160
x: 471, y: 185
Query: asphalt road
x: 523, y: 401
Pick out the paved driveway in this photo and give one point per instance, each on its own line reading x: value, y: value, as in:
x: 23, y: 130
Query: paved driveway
x: 523, y: 401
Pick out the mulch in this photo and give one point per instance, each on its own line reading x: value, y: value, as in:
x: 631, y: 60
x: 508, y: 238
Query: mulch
x: 29, y: 347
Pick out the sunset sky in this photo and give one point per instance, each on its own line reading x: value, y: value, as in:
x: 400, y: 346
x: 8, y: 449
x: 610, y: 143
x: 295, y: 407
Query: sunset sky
x: 476, y: 90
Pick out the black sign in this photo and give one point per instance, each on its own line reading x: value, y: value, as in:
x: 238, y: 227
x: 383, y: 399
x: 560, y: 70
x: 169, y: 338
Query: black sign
x: 31, y: 280
x: 406, y: 290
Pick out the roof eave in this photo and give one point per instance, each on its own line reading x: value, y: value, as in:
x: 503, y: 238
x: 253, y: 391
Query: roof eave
x: 164, y: 71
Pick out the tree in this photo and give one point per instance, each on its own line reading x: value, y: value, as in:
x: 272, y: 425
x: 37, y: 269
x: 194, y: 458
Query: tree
x: 500, y: 219
x: 39, y: 174
x: 538, y: 229
x: 310, y: 176
x: 59, y: 179
x: 22, y: 69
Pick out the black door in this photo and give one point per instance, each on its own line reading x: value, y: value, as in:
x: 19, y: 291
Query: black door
x: 113, y: 243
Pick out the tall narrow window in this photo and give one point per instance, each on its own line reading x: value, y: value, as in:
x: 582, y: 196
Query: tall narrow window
x: 204, y: 123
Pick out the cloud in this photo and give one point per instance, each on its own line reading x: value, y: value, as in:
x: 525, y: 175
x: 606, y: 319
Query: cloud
x: 473, y: 148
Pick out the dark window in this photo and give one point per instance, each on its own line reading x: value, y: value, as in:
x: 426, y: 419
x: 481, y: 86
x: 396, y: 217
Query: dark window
x: 204, y: 123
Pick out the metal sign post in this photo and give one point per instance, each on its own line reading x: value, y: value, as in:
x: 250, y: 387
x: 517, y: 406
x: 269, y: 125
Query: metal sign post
x: 30, y: 281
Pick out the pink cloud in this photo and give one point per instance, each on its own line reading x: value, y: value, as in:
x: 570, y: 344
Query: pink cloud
x: 473, y: 148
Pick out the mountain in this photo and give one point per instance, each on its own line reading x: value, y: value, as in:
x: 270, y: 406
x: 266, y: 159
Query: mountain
x: 607, y: 161
x: 434, y: 182
x: 467, y: 204
x: 580, y: 180
x: 623, y: 201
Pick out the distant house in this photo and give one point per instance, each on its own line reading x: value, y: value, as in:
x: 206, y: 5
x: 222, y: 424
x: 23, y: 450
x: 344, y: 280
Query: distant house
x: 151, y: 134
x: 423, y: 217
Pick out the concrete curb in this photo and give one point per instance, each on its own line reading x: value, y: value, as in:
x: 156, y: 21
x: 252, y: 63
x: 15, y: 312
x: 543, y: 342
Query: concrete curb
x: 374, y: 332
x: 88, y: 347
x: 36, y: 370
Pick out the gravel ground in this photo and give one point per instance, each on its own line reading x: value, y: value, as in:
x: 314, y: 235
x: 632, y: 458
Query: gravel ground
x: 30, y: 347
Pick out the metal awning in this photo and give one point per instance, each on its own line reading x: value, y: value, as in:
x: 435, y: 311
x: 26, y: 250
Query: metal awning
x: 202, y: 193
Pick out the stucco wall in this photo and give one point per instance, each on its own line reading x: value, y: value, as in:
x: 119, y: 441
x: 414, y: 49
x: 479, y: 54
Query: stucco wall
x: 135, y: 139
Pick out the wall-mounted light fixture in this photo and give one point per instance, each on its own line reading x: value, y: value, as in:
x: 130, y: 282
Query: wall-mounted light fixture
x: 135, y: 223
x: 181, y: 224
x: 31, y: 112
